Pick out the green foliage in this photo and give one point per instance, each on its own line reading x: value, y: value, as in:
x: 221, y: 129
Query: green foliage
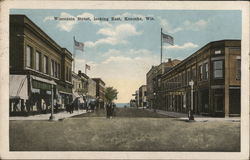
x: 110, y: 94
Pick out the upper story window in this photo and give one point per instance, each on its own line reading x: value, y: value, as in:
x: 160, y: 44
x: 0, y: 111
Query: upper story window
x: 238, y: 69
x: 38, y: 61
x: 29, y: 56
x: 193, y: 75
x: 55, y: 69
x: 52, y: 68
x: 205, y: 71
x: 218, y: 69
x: 200, y: 72
x: 45, y: 64
x: 217, y: 52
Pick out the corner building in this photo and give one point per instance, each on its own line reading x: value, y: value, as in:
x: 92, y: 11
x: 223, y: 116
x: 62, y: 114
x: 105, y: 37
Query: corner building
x: 216, y: 72
x: 40, y: 70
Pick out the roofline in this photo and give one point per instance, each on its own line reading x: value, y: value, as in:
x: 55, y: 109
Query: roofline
x: 99, y: 80
x: 46, y: 35
x: 193, y: 55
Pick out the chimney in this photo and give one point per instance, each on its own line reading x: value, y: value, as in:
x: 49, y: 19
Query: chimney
x: 169, y: 60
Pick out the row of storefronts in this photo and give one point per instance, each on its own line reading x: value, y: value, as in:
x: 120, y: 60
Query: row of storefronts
x: 40, y: 71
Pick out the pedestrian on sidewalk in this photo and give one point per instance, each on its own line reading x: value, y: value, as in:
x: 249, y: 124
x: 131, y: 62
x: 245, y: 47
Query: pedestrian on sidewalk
x: 108, y: 109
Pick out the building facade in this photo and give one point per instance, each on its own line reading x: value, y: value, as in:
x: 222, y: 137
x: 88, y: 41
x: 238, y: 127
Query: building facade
x: 215, y: 70
x: 100, y: 87
x: 143, y: 96
x: 153, y: 78
x: 91, y: 88
x: 40, y: 70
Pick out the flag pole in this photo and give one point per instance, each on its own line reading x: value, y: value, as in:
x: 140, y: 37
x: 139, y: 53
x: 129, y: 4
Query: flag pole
x: 74, y: 54
x: 161, y: 45
x: 85, y: 69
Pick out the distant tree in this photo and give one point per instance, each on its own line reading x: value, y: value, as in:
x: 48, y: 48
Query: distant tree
x: 110, y: 94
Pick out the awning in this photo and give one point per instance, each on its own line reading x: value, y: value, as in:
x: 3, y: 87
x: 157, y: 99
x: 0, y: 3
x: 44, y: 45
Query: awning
x: 43, y: 80
x: 18, y: 86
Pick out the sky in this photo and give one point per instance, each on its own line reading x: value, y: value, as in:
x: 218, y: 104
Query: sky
x: 122, y: 52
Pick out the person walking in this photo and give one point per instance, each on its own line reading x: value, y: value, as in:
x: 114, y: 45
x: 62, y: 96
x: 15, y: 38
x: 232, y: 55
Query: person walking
x: 108, y: 109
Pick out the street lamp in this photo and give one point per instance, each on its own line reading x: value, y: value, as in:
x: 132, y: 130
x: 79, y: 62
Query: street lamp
x: 190, y: 112
x: 154, y: 102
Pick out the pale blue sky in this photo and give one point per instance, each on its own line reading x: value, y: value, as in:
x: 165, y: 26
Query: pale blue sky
x: 122, y: 52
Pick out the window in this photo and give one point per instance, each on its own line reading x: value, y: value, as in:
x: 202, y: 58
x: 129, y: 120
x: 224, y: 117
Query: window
x: 218, y: 69
x: 238, y: 69
x: 217, y: 52
x: 193, y: 76
x: 45, y: 64
x: 67, y: 73
x: 205, y: 75
x: 55, y: 66
x: 59, y: 70
x: 38, y: 61
x: 200, y: 72
x: 52, y: 68
x: 29, y: 56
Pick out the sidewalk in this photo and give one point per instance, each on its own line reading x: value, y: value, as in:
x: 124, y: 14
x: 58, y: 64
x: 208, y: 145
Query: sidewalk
x: 60, y: 115
x: 198, y: 118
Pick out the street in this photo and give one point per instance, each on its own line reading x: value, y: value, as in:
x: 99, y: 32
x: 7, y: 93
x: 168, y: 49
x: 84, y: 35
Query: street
x: 130, y: 130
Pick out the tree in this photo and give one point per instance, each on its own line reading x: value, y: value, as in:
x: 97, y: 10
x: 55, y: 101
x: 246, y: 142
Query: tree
x: 110, y: 94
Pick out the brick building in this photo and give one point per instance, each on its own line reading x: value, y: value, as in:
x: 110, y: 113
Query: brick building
x: 216, y: 72
x: 37, y: 64
x: 153, y: 76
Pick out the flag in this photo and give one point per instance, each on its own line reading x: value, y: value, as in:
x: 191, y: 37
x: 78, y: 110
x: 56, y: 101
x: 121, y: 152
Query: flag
x: 78, y: 45
x: 87, y: 67
x: 167, y: 39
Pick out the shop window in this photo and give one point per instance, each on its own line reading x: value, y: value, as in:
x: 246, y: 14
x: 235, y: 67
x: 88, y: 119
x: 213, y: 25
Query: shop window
x: 218, y: 69
x: 238, y: 69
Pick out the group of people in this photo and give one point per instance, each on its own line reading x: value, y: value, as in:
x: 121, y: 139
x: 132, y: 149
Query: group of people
x: 110, y: 109
x: 90, y: 105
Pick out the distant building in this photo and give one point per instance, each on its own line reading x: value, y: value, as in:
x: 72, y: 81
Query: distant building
x: 37, y: 64
x: 216, y: 72
x: 153, y: 79
x: 100, y: 87
x: 91, y: 88
x: 137, y: 98
x: 143, y: 96
x: 77, y: 85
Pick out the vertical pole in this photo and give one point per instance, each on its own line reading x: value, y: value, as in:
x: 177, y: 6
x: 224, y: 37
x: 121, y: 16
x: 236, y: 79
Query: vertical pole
x: 161, y: 45
x: 190, y: 114
x: 52, y: 105
x: 74, y: 54
x: 85, y: 69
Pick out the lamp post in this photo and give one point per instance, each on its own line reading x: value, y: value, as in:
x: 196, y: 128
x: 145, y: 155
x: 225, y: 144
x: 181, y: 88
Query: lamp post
x: 190, y: 112
x: 154, y: 102
x: 52, y: 117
